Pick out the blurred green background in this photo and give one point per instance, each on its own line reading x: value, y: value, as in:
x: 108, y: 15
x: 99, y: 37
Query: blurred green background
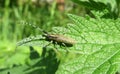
x: 42, y: 13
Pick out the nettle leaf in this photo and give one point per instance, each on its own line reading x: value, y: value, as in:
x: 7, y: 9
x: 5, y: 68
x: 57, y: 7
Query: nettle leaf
x: 32, y: 41
x: 15, y: 70
x: 98, y: 4
x: 9, y: 55
x: 98, y: 42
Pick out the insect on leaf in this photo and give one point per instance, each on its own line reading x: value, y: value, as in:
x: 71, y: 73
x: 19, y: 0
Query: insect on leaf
x: 99, y: 42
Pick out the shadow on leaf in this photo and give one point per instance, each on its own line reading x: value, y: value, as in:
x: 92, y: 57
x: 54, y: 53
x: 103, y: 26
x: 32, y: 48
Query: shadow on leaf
x: 47, y: 65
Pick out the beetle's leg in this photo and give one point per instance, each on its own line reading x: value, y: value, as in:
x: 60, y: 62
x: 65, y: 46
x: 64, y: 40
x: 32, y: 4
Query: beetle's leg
x: 65, y: 47
x: 53, y: 48
x: 48, y: 44
x: 56, y: 50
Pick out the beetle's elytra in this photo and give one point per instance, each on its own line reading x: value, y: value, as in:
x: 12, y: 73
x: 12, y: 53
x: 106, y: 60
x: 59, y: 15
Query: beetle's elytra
x: 60, y: 39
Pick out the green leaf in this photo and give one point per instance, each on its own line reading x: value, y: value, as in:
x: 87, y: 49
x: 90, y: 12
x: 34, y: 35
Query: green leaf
x: 9, y: 54
x: 113, y: 6
x: 40, y: 65
x: 98, y: 41
x: 97, y: 4
x: 15, y: 70
x: 32, y: 41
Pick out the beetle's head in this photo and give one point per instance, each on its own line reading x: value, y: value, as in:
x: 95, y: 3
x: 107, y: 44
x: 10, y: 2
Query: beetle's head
x: 45, y: 34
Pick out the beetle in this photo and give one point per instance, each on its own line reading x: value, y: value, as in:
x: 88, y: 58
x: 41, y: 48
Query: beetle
x: 55, y: 38
x: 59, y: 39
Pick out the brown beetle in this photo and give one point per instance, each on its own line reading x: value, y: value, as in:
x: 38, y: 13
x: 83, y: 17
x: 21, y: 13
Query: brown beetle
x: 56, y: 38
x: 59, y: 39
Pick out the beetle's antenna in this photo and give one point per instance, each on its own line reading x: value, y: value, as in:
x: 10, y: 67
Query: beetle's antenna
x: 34, y: 26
